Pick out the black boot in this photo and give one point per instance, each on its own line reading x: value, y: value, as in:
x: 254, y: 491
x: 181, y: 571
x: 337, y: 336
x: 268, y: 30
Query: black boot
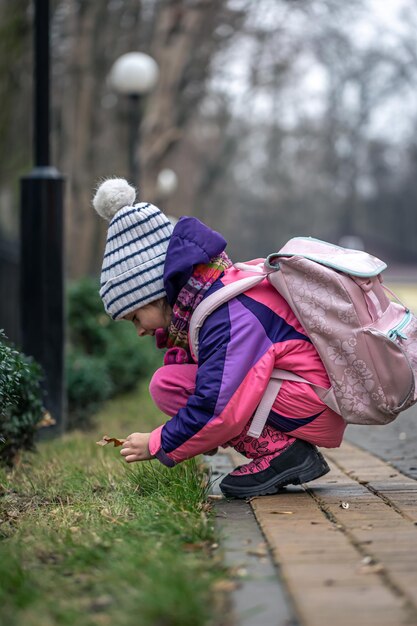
x: 299, y: 463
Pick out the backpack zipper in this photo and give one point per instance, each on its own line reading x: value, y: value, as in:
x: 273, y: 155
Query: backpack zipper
x: 396, y: 332
x: 393, y: 334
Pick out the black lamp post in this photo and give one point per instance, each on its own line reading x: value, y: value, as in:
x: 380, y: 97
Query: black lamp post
x: 41, y: 238
x: 134, y: 75
x: 135, y: 116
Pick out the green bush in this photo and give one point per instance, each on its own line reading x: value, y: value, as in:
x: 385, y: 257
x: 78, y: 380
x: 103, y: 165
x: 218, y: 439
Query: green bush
x: 87, y: 321
x: 104, y: 358
x: 88, y: 386
x: 21, y: 401
x: 129, y: 358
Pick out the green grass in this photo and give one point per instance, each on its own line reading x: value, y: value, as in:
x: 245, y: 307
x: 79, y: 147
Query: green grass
x: 87, y: 539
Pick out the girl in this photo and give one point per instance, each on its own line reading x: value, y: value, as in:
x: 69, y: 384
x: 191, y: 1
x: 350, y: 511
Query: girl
x: 154, y: 275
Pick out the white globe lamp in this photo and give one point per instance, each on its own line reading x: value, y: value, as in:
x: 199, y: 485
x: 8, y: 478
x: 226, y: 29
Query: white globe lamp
x: 167, y: 182
x: 134, y: 74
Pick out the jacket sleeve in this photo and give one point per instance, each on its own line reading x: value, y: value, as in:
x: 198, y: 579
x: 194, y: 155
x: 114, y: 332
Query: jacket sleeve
x: 236, y: 359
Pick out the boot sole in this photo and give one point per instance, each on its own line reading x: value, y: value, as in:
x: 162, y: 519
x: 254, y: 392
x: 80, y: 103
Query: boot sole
x: 304, y: 473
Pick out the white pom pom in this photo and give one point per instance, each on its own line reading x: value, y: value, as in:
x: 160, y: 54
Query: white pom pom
x: 113, y: 195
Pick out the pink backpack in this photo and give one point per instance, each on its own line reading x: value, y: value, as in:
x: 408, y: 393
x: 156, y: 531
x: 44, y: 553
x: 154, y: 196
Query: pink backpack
x: 368, y: 343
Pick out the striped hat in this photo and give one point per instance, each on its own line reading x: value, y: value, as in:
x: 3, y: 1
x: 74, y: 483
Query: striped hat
x: 137, y: 242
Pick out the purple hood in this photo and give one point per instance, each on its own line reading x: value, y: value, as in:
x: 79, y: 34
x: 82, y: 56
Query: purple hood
x: 191, y: 243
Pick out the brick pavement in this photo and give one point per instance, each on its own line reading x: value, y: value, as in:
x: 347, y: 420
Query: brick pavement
x: 345, y: 545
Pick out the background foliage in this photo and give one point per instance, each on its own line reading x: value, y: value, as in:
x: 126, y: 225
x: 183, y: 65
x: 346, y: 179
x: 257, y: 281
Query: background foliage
x: 104, y: 358
x: 280, y: 116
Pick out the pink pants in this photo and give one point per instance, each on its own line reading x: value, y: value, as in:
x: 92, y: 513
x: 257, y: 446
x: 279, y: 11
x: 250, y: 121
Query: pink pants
x: 172, y: 385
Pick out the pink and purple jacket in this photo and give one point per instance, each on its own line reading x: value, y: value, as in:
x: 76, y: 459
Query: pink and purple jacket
x: 240, y: 344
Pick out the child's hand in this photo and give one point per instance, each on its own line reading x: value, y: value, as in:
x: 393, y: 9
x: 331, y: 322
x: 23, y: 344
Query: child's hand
x: 136, y: 448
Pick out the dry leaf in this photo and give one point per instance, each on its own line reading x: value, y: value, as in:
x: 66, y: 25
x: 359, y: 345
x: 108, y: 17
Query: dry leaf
x: 106, y: 439
x: 372, y: 568
x: 47, y: 420
x: 107, y: 514
x: 101, y: 603
x: 260, y: 551
x: 238, y: 571
x: 193, y: 547
x: 225, y: 586
x: 281, y: 512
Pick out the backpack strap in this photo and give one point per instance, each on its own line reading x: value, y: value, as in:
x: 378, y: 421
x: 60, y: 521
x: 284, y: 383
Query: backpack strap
x: 214, y: 301
x: 268, y: 399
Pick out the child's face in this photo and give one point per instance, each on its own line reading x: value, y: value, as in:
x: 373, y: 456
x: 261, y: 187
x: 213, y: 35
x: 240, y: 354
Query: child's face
x: 150, y: 317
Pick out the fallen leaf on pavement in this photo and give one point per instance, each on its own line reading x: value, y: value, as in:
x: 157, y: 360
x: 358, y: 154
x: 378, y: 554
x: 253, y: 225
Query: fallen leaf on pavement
x: 106, y: 439
x: 281, y: 512
x: 238, y: 571
x: 225, y: 586
x: 373, y: 568
x: 260, y: 550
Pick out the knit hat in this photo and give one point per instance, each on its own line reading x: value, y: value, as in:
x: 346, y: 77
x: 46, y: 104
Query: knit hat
x: 134, y: 257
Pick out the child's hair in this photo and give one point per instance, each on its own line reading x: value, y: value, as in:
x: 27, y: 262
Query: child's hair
x: 137, y: 242
x: 163, y: 304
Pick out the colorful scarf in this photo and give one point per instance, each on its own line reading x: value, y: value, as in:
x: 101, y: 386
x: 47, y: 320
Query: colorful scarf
x: 190, y: 296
